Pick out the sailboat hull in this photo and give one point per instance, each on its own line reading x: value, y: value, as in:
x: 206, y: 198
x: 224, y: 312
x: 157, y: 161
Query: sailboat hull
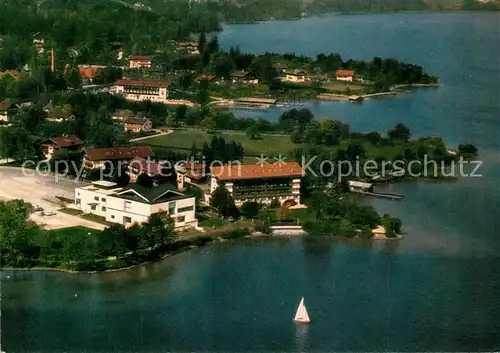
x: 297, y: 321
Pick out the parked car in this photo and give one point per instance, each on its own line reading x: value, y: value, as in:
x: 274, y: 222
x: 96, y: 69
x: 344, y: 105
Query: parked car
x: 50, y: 213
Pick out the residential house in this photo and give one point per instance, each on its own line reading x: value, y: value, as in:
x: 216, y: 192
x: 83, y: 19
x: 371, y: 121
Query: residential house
x: 100, y: 158
x: 39, y: 43
x: 136, y: 124
x: 59, y: 115
x: 12, y: 73
x: 89, y: 72
x: 207, y: 77
x: 190, y: 48
x: 261, y: 183
x: 190, y: 173
x: 140, y: 61
x: 136, y: 204
x: 155, y: 170
x: 345, y: 75
x: 122, y: 114
x: 140, y: 90
x: 4, y: 110
x: 55, y: 144
x: 246, y: 77
x: 280, y: 66
x: 296, y: 76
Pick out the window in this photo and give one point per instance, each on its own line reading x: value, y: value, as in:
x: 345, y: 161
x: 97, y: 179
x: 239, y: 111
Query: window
x: 127, y: 219
x: 112, y: 216
x: 171, y: 207
x: 93, y: 207
x: 103, y: 199
x: 103, y: 209
x: 185, y: 209
x: 96, y: 198
x: 181, y: 219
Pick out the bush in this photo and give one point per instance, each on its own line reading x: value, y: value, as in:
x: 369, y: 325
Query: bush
x: 275, y: 203
x: 263, y: 227
x: 201, y: 240
x: 236, y: 233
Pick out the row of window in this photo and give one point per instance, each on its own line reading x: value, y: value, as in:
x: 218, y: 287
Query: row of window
x: 142, y: 90
x: 97, y: 198
x: 185, y: 209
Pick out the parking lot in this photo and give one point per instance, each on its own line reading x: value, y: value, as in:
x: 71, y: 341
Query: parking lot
x: 42, y: 191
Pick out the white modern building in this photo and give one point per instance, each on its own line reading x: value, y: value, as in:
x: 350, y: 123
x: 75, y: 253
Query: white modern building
x: 135, y: 204
x: 140, y: 90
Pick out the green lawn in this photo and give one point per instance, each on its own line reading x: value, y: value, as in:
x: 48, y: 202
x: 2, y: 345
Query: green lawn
x: 72, y: 232
x: 183, y: 139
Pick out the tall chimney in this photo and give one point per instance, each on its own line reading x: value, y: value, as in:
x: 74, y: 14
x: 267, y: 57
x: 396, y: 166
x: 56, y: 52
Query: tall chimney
x: 52, y: 60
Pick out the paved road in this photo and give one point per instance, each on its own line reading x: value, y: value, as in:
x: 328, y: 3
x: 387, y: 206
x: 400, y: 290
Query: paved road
x: 41, y: 190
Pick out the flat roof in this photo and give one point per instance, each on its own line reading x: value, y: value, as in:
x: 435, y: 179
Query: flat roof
x: 104, y: 183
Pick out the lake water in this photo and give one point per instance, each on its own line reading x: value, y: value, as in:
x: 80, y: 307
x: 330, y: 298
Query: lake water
x: 438, y: 289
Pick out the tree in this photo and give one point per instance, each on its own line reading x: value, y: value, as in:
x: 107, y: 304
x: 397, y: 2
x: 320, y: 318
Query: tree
x: 399, y: 133
x: 467, y: 149
x: 346, y: 229
x: 282, y: 213
x: 221, y: 64
x: 194, y: 150
x: 73, y: 78
x: 17, y: 233
x: 223, y: 202
x: 250, y: 209
x: 213, y: 45
x: 253, y: 132
x: 209, y: 124
x: 202, y: 95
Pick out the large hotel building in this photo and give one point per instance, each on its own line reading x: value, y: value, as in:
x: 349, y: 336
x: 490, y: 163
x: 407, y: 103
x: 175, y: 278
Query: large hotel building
x: 140, y: 90
x: 261, y: 183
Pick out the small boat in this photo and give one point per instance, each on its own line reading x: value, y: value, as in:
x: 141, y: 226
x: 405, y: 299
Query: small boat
x: 301, y: 317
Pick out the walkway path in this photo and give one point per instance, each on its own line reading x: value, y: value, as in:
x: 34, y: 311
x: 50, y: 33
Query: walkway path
x: 151, y: 136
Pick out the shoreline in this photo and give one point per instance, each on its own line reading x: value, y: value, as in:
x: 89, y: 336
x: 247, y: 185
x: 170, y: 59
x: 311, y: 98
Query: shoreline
x: 257, y: 236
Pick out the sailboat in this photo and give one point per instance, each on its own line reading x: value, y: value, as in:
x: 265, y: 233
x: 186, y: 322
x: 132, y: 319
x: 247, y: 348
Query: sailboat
x: 301, y: 316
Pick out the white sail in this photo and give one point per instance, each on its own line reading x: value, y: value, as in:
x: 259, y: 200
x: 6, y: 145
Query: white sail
x: 301, y: 315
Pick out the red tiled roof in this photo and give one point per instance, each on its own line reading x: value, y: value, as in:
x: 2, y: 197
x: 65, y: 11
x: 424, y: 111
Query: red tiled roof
x: 15, y: 74
x: 120, y: 153
x: 87, y: 72
x: 141, y: 57
x: 186, y: 44
x: 255, y: 171
x: 66, y: 141
x: 145, y: 166
x: 207, y: 77
x: 344, y: 73
x: 140, y: 83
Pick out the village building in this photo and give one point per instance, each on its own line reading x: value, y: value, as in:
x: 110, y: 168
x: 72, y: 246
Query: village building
x: 89, y: 72
x: 39, y: 43
x: 5, y: 110
x: 207, y: 77
x: 155, y: 170
x: 140, y: 61
x: 190, y: 48
x: 297, y: 76
x: 136, y: 204
x: 190, y: 173
x: 345, y: 75
x: 280, y: 66
x: 246, y: 77
x: 261, y: 183
x: 100, y: 158
x: 140, y: 90
x: 57, y: 114
x: 136, y: 124
x: 12, y: 73
x: 65, y: 142
x: 122, y: 114
x: 359, y: 186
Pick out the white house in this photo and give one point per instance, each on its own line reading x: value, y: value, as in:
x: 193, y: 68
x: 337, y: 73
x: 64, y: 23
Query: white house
x: 140, y: 90
x: 135, y: 204
x: 345, y: 75
x: 297, y: 76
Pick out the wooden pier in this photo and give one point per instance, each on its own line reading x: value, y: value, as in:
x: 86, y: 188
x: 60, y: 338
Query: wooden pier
x: 384, y: 195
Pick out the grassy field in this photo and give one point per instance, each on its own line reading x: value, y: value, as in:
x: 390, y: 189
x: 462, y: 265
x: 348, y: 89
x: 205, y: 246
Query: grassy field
x: 74, y: 232
x: 183, y: 139
x: 342, y: 86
